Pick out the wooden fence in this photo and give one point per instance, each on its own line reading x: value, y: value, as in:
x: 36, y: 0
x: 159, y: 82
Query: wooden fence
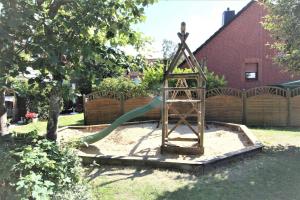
x: 261, y: 106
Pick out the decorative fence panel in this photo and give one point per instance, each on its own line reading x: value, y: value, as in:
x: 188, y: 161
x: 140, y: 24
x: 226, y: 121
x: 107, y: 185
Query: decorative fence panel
x: 133, y: 103
x: 294, y: 109
x: 267, y: 106
x: 262, y: 106
x: 224, y: 104
x: 102, y: 110
x: 267, y: 110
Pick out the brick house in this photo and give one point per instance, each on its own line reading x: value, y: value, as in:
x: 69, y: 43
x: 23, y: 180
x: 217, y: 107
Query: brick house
x: 238, y: 50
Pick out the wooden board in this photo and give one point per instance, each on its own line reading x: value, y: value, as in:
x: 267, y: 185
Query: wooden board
x: 295, y: 111
x: 133, y: 103
x: 224, y: 108
x: 267, y: 110
x: 102, y: 110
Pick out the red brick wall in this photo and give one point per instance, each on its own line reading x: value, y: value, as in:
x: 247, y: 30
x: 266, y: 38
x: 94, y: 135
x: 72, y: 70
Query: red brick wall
x: 243, y: 40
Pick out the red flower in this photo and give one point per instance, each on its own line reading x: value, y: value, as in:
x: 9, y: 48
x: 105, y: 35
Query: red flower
x: 30, y: 115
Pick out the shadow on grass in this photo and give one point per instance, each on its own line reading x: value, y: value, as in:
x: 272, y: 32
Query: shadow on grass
x: 272, y: 175
x: 96, y: 172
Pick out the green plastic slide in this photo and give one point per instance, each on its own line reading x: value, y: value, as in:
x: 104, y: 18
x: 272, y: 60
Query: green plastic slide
x: 156, y: 102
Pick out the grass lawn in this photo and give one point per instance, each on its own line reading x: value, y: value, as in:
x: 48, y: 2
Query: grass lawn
x: 64, y: 120
x: 271, y: 175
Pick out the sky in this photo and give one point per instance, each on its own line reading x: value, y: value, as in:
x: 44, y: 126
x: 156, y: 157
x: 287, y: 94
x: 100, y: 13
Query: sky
x: 202, y: 17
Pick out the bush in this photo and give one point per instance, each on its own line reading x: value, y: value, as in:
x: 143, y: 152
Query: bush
x: 214, y: 80
x: 151, y: 84
x: 38, y: 169
x: 153, y: 77
x: 121, y: 87
x: 36, y: 98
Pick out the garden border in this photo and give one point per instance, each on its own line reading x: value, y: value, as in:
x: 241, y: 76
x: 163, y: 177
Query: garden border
x: 200, y: 167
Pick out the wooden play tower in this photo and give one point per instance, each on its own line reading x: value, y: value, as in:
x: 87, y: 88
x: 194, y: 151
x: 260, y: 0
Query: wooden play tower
x: 183, y: 102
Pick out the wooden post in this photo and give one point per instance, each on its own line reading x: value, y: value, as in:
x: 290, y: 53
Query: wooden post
x: 288, y: 96
x: 83, y: 104
x: 15, y: 108
x: 164, y: 106
x: 165, y: 113
x: 244, y: 107
x: 122, y: 104
x: 203, y: 97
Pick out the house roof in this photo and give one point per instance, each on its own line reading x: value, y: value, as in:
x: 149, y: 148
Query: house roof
x: 290, y: 85
x: 221, y: 29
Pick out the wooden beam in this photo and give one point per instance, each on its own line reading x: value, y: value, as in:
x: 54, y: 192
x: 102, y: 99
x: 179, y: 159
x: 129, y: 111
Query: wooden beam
x: 183, y: 139
x: 189, y: 62
x: 183, y: 101
x: 183, y: 88
x: 183, y: 75
x: 182, y: 150
x: 194, y: 61
x: 180, y: 115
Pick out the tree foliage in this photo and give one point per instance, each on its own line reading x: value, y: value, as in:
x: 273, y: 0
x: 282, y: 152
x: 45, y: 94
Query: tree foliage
x: 59, y: 36
x: 283, y: 22
x: 153, y: 77
x: 168, y: 48
x: 64, y: 38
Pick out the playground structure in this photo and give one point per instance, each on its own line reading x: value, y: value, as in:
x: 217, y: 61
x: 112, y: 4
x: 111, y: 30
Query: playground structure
x: 182, y: 142
x: 184, y: 94
x: 194, y: 96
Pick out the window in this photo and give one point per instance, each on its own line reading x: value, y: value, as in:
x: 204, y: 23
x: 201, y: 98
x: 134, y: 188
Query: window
x: 251, y: 75
x: 251, y: 71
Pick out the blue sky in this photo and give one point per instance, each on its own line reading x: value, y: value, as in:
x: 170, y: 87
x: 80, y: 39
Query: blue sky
x: 203, y: 18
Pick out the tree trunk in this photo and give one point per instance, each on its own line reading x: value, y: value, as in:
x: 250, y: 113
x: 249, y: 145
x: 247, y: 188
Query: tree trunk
x: 3, y: 114
x: 54, y: 110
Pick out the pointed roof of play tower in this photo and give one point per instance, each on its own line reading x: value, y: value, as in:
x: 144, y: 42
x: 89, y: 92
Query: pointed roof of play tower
x: 184, y: 51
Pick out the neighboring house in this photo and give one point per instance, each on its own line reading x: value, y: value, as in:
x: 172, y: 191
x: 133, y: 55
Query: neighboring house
x: 11, y: 104
x: 238, y: 50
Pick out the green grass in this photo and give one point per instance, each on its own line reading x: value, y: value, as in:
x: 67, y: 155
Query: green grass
x: 271, y: 175
x: 271, y: 136
x: 64, y: 120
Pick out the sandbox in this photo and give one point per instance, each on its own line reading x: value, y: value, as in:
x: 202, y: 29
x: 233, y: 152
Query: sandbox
x: 138, y: 144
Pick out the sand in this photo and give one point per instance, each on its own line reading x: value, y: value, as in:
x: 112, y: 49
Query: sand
x: 144, y: 140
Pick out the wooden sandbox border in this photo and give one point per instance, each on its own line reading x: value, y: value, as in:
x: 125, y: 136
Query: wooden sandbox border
x: 199, y: 167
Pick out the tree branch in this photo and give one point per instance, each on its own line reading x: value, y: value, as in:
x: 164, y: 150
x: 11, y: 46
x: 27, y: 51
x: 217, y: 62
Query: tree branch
x: 55, y: 6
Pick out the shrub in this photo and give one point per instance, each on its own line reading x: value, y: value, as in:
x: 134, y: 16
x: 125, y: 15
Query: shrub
x: 121, y: 87
x: 153, y: 77
x: 38, y: 169
x: 214, y: 80
x: 151, y: 84
x: 35, y: 97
